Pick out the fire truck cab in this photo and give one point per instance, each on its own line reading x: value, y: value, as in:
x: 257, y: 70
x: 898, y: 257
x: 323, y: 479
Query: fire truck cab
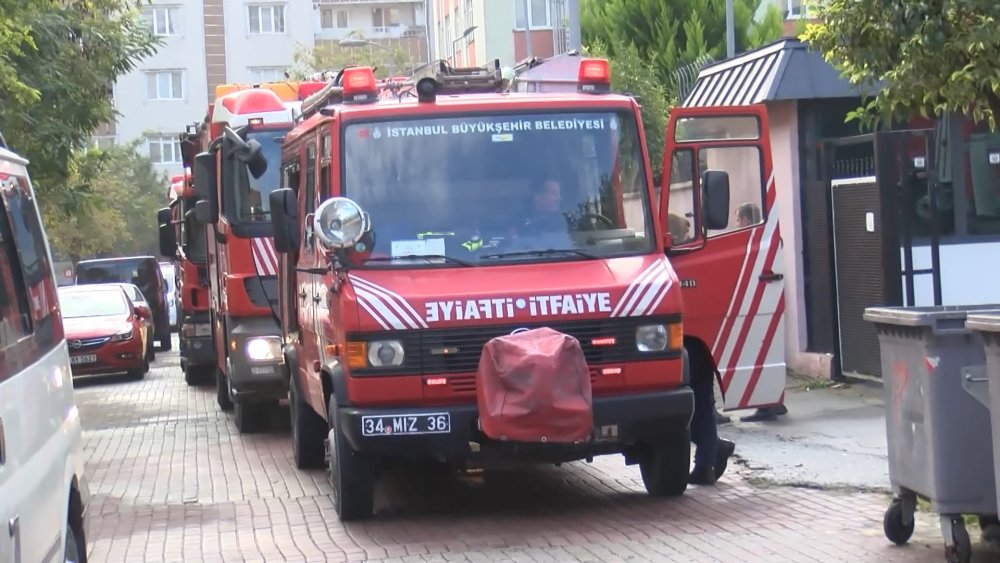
x: 415, y: 231
x: 183, y: 240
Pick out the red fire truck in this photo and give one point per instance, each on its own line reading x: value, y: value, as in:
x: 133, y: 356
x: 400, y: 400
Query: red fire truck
x: 183, y: 240
x: 425, y: 237
x: 241, y: 260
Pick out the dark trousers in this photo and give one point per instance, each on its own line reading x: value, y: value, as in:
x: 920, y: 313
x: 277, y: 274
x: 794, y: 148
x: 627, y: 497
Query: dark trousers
x: 704, y: 432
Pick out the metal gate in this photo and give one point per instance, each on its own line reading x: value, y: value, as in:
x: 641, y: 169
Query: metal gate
x: 861, y: 255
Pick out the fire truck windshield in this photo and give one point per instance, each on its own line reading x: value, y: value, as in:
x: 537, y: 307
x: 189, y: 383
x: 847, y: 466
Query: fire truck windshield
x: 492, y: 188
x: 251, y: 194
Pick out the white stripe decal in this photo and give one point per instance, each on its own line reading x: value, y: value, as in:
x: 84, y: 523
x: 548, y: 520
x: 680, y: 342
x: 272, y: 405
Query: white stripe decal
x: 639, y: 287
x: 367, y: 306
x: 657, y: 283
x: 658, y: 299
x: 272, y: 255
x: 747, y: 298
x: 261, y: 259
x: 393, y: 300
x: 383, y: 312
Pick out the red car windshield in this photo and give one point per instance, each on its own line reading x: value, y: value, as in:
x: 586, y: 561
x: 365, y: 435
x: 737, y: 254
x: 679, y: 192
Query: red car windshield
x: 78, y: 304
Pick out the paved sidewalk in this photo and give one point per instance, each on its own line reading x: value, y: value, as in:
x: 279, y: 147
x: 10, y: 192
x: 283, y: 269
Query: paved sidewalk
x: 174, y: 481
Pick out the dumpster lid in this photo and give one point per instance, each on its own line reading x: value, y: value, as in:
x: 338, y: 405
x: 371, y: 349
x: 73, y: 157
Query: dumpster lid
x: 925, y: 316
x: 984, y: 322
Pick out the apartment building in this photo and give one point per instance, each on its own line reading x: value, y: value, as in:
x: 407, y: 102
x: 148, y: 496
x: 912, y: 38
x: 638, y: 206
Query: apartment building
x: 517, y: 29
x: 210, y: 42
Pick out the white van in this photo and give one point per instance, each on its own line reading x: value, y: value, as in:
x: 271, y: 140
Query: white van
x: 43, y: 496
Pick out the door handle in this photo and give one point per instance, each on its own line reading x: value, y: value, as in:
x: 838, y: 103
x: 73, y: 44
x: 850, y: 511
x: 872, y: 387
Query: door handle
x: 771, y: 276
x: 302, y: 294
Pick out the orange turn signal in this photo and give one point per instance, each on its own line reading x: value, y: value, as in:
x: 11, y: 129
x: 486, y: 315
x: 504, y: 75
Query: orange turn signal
x: 675, y: 333
x: 357, y: 355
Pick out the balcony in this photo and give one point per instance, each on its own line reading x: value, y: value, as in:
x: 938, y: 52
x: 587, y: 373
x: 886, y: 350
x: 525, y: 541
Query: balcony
x: 372, y: 33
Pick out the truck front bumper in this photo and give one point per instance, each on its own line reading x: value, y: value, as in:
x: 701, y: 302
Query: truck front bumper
x: 619, y: 422
x: 195, y: 337
x: 255, y: 379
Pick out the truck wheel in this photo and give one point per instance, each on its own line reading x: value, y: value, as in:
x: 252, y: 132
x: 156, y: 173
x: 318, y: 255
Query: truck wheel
x: 150, y: 350
x: 350, y: 473
x: 196, y: 375
x: 252, y: 416
x: 308, y: 430
x: 666, y: 469
x: 222, y: 391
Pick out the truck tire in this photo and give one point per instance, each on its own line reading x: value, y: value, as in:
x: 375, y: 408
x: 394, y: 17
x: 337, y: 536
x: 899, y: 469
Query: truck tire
x: 252, y: 416
x: 666, y: 469
x: 308, y: 430
x: 197, y: 375
x: 351, y: 474
x: 166, y: 341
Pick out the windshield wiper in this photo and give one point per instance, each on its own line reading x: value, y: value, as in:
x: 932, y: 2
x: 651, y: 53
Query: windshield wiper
x: 540, y: 252
x: 422, y: 257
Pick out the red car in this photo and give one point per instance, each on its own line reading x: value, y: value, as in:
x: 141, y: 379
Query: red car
x: 105, y: 331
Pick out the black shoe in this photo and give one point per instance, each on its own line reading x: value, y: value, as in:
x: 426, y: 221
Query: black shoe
x: 702, y: 476
x: 765, y: 414
x: 723, y: 452
x: 721, y: 418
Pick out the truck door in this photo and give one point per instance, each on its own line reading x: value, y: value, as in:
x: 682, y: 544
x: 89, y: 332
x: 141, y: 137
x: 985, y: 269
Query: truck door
x: 731, y: 275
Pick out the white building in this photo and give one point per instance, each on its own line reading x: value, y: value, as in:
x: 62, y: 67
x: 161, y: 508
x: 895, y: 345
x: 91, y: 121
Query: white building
x: 210, y: 42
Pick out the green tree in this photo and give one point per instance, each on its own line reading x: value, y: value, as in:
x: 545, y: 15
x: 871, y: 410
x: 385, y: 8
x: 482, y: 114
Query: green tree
x: 631, y: 74
x: 329, y: 56
x: 918, y: 56
x: 58, y: 62
x: 671, y: 34
x: 118, y: 217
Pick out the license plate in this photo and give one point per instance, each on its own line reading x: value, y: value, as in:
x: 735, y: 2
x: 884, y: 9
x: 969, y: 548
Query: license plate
x: 88, y: 359
x: 406, y: 424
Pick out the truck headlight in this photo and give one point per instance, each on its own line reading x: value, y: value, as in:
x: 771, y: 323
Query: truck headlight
x: 385, y: 353
x: 263, y: 348
x: 659, y: 337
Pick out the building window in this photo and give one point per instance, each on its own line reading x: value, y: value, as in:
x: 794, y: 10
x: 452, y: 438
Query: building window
x: 164, y: 149
x: 164, y: 20
x: 262, y: 74
x: 331, y: 18
x: 165, y: 85
x: 266, y: 18
x: 103, y: 142
x: 538, y: 14
x: 385, y: 17
x: 795, y: 9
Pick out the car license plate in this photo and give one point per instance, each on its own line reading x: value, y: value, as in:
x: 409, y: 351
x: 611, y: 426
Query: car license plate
x: 88, y: 359
x: 406, y: 424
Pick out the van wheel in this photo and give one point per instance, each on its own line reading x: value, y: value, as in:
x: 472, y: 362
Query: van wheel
x: 166, y: 342
x: 197, y: 375
x: 665, y: 471
x: 350, y: 473
x: 308, y: 430
x: 222, y: 391
x: 251, y: 417
x: 150, y: 350
x: 71, y: 551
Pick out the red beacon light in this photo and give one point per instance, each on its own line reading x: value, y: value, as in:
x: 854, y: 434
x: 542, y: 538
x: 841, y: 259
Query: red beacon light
x: 594, y: 76
x: 359, y: 85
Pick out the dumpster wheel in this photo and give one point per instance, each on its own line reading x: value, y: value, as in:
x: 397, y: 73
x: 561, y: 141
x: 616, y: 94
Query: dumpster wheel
x: 894, y: 524
x: 960, y: 548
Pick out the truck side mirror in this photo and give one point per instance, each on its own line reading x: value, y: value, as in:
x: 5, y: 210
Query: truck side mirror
x: 168, y: 236
x: 203, y: 174
x: 284, y: 218
x: 253, y: 156
x: 715, y: 199
x: 203, y: 213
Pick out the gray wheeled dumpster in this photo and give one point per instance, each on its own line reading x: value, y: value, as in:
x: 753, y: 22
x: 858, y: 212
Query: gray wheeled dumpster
x: 938, y: 427
x: 988, y: 326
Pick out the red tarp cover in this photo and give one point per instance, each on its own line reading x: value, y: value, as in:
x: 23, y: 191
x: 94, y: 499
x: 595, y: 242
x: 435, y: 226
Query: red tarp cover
x: 534, y: 386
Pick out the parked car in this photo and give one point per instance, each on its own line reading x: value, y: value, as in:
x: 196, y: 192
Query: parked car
x: 138, y: 299
x: 106, y: 332
x: 169, y: 276
x: 43, y: 487
x: 143, y: 271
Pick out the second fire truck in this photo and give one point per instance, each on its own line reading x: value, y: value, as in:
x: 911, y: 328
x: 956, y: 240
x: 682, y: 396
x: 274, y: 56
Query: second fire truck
x: 241, y: 260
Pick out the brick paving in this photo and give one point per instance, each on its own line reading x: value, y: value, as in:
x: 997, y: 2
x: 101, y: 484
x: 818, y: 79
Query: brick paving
x: 173, y: 481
